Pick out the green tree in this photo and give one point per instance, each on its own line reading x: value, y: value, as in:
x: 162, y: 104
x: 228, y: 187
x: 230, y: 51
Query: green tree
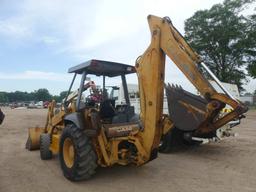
x: 42, y: 95
x: 226, y: 40
x: 3, y: 97
x: 248, y: 94
x: 251, y: 52
x: 60, y: 97
x: 18, y: 96
x: 56, y: 98
x: 63, y: 94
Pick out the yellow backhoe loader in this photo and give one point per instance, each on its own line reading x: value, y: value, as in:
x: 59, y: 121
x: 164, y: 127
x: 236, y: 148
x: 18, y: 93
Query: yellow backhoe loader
x: 91, y: 130
x: 1, y: 117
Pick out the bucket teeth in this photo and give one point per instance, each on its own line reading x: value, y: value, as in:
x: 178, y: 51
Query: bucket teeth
x: 186, y: 110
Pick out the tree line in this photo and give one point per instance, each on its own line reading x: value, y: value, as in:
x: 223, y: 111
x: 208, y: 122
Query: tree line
x: 37, y: 95
x: 225, y: 37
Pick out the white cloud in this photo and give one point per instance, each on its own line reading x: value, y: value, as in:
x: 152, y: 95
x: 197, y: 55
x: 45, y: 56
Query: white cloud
x: 14, y: 28
x: 35, y: 75
x: 83, y: 25
x: 50, y: 40
x: 102, y: 29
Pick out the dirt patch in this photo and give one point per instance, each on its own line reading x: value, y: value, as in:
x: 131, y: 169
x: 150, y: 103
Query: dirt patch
x: 228, y: 165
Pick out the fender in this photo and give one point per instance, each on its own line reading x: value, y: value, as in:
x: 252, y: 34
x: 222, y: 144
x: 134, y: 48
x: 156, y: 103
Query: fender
x: 76, y: 118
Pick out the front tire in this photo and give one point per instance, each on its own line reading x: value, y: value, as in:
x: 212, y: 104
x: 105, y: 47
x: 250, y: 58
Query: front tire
x: 45, y: 142
x: 77, y: 157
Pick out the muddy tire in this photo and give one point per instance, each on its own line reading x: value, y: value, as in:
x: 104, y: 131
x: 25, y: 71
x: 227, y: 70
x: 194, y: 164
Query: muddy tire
x: 171, y: 142
x: 77, y: 157
x: 45, y: 142
x: 174, y: 141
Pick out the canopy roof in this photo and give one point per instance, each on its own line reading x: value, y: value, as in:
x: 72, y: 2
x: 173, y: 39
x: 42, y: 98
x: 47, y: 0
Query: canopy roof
x: 106, y: 68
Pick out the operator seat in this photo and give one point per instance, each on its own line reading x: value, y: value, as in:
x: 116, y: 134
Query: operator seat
x: 107, y: 108
x: 125, y: 114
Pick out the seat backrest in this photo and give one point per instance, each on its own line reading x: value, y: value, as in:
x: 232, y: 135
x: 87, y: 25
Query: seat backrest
x: 107, y: 108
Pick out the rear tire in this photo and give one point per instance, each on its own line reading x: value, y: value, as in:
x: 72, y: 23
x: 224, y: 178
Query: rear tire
x: 171, y: 141
x: 77, y: 157
x: 174, y: 141
x: 45, y: 142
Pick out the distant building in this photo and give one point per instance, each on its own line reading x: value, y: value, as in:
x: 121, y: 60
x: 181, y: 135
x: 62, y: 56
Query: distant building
x: 250, y: 100
x: 133, y: 91
x: 231, y: 88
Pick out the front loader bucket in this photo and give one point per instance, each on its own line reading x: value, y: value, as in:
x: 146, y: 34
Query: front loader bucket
x: 186, y: 110
x: 33, y: 142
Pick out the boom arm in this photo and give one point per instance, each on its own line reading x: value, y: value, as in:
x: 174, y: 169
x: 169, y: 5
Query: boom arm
x: 166, y: 40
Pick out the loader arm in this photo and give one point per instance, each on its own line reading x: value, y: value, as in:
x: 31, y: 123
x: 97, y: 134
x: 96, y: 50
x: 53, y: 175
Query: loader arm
x: 166, y: 40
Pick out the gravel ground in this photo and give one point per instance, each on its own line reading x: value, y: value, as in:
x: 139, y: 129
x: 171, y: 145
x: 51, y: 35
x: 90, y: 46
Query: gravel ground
x: 228, y: 165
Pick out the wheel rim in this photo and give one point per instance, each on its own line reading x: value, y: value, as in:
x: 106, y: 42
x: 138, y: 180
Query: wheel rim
x: 68, y: 152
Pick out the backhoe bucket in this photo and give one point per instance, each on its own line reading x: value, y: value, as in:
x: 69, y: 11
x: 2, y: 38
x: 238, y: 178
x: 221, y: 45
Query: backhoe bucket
x: 186, y: 110
x: 33, y: 141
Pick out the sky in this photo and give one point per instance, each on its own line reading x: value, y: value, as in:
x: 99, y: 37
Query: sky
x: 40, y: 40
